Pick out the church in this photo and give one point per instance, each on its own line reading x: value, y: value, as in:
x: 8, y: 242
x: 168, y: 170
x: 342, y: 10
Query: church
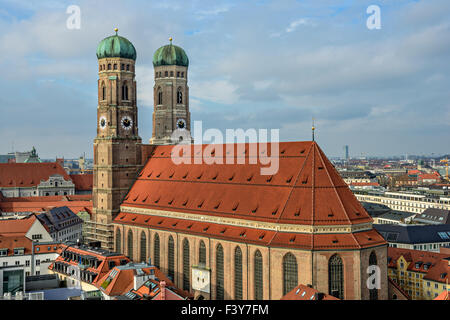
x: 221, y: 231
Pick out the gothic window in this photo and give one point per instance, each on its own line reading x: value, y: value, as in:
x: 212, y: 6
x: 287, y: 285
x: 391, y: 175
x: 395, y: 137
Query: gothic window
x: 160, y: 96
x: 156, y: 250
x: 336, y: 277
x: 130, y: 244
x: 143, y: 247
x: 128, y: 67
x: 289, y: 273
x: 258, y: 275
x: 178, y: 74
x: 238, y: 273
x: 125, y: 91
x: 186, y: 273
x: 103, y: 92
x: 118, y: 241
x: 109, y: 66
x: 219, y: 273
x: 115, y: 66
x: 166, y: 74
x: 179, y: 96
x: 373, y: 262
x: 122, y: 66
x: 202, y: 253
x: 182, y: 74
x: 171, y: 259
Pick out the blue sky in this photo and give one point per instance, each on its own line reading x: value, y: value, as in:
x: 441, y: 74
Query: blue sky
x: 253, y: 64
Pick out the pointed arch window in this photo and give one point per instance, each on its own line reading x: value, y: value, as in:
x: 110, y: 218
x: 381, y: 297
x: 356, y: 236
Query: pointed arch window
x: 290, y: 273
x: 171, y: 259
x: 125, y: 91
x: 156, y: 255
x: 373, y: 293
x: 202, y: 253
x: 143, y: 247
x: 103, y: 92
x: 219, y: 273
x: 179, y: 96
x: 186, y: 267
x: 336, y: 277
x: 160, y: 96
x: 238, y: 273
x: 258, y: 275
x: 130, y: 244
x: 118, y: 241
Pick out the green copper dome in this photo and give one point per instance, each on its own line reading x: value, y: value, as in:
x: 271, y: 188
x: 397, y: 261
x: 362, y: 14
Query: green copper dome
x: 116, y: 47
x: 170, y: 55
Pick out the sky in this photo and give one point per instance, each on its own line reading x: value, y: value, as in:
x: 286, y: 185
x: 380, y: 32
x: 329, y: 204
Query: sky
x: 253, y: 64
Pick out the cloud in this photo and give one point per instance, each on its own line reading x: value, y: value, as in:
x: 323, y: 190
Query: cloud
x: 294, y: 24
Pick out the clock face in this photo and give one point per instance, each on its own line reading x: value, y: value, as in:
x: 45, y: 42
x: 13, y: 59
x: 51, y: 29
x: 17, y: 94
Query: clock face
x: 102, y: 122
x: 181, y: 124
x: 126, y: 122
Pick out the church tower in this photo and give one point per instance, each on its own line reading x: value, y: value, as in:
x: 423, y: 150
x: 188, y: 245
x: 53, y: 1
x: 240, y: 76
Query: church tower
x: 171, y: 116
x: 117, y: 147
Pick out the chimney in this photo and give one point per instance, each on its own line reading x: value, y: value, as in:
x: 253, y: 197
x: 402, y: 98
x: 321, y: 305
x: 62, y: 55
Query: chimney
x: 162, y: 284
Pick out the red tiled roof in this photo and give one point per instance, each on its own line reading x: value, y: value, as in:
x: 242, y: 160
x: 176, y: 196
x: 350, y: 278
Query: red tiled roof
x: 438, y: 268
x: 364, y: 184
x: 17, y: 226
x: 429, y: 176
x: 443, y: 296
x: 302, y: 292
x: 28, y: 174
x: 306, y: 190
x: 83, y: 182
x: 76, y: 203
x: 357, y: 240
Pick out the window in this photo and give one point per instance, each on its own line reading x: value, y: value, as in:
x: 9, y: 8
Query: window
x: 156, y: 250
x: 103, y: 92
x: 166, y: 74
x: 336, y: 277
x: 160, y: 97
x: 27, y: 263
x: 219, y: 273
x: 115, y: 66
x: 171, y: 259
x: 290, y: 273
x: 143, y: 247
x: 182, y: 74
x: 109, y: 66
x: 125, y: 91
x: 186, y: 270
x: 179, y: 96
x: 130, y: 244
x: 118, y: 241
x: 238, y: 273
x: 373, y: 293
x: 122, y: 67
x: 258, y: 275
x: 128, y: 67
x: 171, y: 73
x: 202, y: 253
x: 38, y: 262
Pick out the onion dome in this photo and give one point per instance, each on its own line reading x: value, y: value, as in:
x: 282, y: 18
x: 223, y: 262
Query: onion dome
x: 116, y: 47
x: 170, y: 55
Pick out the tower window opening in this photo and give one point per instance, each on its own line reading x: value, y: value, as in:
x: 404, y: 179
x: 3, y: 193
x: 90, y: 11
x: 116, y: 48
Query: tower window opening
x: 182, y: 74
x: 115, y: 66
x: 160, y: 97
x: 109, y: 66
x: 178, y: 74
x: 166, y: 74
x: 171, y: 73
x: 179, y: 96
x: 103, y: 92
x: 122, y: 67
x: 125, y: 91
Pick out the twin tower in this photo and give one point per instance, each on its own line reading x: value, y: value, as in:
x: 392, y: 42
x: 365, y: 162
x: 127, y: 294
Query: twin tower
x: 117, y: 146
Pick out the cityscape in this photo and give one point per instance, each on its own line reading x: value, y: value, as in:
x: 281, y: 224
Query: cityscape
x: 177, y: 203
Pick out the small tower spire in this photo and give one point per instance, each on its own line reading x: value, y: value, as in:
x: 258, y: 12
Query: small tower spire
x: 170, y: 39
x: 116, y: 30
x: 313, y: 128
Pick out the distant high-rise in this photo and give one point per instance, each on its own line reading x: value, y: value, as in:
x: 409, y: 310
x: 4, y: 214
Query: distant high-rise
x: 347, y: 157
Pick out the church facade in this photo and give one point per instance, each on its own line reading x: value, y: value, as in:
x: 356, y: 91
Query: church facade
x: 222, y: 231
